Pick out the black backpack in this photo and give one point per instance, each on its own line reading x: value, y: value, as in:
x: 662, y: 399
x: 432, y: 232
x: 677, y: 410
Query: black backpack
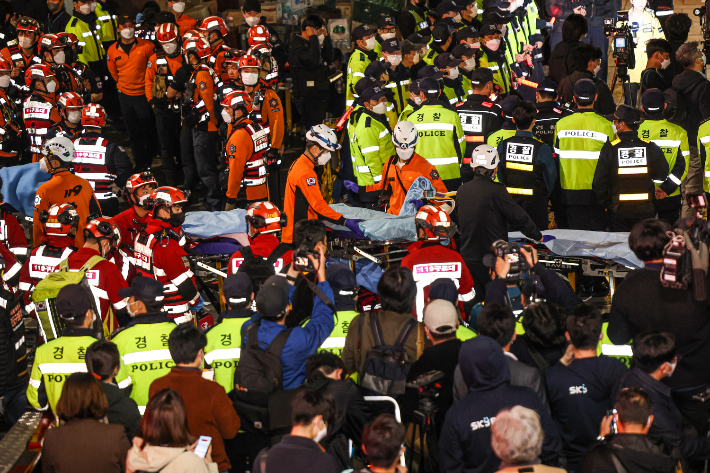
x: 386, y: 366
x: 676, y: 108
x: 258, y: 375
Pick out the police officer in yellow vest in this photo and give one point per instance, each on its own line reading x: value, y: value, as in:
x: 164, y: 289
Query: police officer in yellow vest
x: 627, y: 168
x: 361, y: 57
x: 224, y: 342
x: 440, y: 42
x: 59, y: 358
x: 344, y: 284
x: 86, y: 27
x: 493, y: 57
x: 107, y: 18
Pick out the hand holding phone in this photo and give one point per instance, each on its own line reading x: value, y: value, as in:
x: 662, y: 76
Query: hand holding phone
x: 203, y: 444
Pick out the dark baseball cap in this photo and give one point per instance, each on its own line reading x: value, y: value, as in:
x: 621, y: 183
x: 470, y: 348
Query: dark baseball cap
x: 500, y: 4
x: 441, y: 33
x: 391, y: 45
x: 451, y: 23
x: 444, y: 288
x: 626, y: 114
x: 73, y: 300
x: 384, y: 21
x: 145, y: 289
x: 489, y: 29
x: 363, y: 84
x: 376, y: 69
x: 585, y: 90
x: 165, y: 17
x: 429, y: 86
x: 272, y: 299
x: 407, y: 46
x: 653, y: 101
x: 414, y: 87
x: 481, y: 76
x: 462, y: 50
x: 362, y: 31
x: 123, y: 19
x: 467, y: 32
x: 341, y: 279
x: 431, y: 72
x: 508, y: 104
x: 418, y: 39
x: 448, y: 6
x: 464, y: 3
x: 547, y: 85
x: 374, y: 92
x: 237, y: 288
x: 445, y: 60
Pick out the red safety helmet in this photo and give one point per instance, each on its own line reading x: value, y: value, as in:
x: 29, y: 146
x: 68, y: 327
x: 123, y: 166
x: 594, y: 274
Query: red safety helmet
x: 258, y: 34
x: 38, y: 71
x: 213, y: 23
x: 436, y: 223
x: 93, y: 115
x: 5, y: 64
x: 237, y: 99
x: 232, y: 56
x: 167, y: 196
x: 60, y: 220
x: 136, y: 181
x: 264, y: 217
x: 166, y: 32
x: 249, y: 61
x: 70, y: 40
x: 69, y: 100
x: 29, y: 24
x: 197, y: 46
x: 101, y: 227
x: 47, y: 42
x: 191, y: 34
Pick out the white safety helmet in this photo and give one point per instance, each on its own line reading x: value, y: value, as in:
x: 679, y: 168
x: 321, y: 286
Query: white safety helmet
x: 485, y: 156
x: 324, y: 136
x: 60, y: 148
x: 405, y: 135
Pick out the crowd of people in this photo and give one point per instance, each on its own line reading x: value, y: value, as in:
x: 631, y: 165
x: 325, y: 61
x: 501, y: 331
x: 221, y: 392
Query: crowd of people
x: 473, y: 119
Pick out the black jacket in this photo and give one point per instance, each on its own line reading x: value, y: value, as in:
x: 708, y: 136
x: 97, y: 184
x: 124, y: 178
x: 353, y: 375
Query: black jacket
x: 668, y: 425
x: 465, y: 443
x: 308, y: 62
x: 13, y: 347
x: 485, y: 210
x: 296, y: 455
x: 561, y: 60
x: 548, y: 114
x: 653, y: 78
x: 56, y: 22
x: 641, y: 304
x: 601, y: 9
x: 695, y: 88
x: 604, y: 105
x: 122, y: 409
x: 540, y: 357
x: 580, y: 396
x: 637, y: 454
x: 674, y: 68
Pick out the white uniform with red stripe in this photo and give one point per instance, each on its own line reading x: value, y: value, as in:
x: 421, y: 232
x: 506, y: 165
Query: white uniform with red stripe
x: 37, y: 114
x: 90, y: 164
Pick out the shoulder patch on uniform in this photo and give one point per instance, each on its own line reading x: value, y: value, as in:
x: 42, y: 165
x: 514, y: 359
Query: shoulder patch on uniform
x: 185, y: 261
x: 434, y: 174
x: 38, y: 200
x: 556, y: 110
x: 203, y: 85
x: 615, y: 142
x: 487, y: 104
x: 122, y: 149
x: 232, y: 149
x: 311, y: 181
x: 645, y: 140
x: 274, y: 103
x: 149, y: 65
x: 362, y: 56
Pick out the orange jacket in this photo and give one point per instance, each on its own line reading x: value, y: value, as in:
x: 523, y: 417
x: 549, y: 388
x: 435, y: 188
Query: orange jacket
x: 185, y: 23
x: 272, y: 114
x: 174, y: 63
x: 204, y: 90
x: 399, y: 180
x: 128, y: 70
x: 61, y: 188
x: 239, y: 149
x: 303, y: 198
x: 218, y: 58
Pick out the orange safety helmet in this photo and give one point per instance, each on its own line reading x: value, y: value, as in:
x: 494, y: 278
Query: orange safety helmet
x: 232, y: 56
x: 191, y: 34
x: 258, y: 34
x: 70, y: 40
x: 136, y: 181
x: 101, y: 227
x: 5, y: 64
x: 213, y: 23
x: 29, y: 24
x: 167, y: 196
x: 237, y: 99
x: 265, y: 217
x: 93, y: 114
x: 248, y: 60
x: 437, y: 224
x: 166, y: 32
x: 38, y: 71
x: 197, y: 46
x: 47, y: 42
x: 69, y: 100
x: 60, y: 220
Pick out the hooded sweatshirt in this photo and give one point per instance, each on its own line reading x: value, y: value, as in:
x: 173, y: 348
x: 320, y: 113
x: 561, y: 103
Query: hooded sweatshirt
x: 465, y: 444
x: 695, y: 89
x: 165, y: 460
x: 580, y: 395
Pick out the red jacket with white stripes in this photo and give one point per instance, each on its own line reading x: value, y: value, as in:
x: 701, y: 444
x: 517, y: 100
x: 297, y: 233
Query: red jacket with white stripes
x: 12, y: 234
x: 262, y: 245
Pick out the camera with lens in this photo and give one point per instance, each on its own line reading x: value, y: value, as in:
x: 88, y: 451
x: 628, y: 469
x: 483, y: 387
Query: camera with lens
x: 512, y: 254
x: 428, y: 387
x: 703, y: 13
x: 622, y: 37
x: 300, y: 256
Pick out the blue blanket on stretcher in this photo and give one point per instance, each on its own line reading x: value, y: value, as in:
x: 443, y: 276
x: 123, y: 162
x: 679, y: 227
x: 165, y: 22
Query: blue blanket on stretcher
x: 20, y: 184
x: 213, y: 224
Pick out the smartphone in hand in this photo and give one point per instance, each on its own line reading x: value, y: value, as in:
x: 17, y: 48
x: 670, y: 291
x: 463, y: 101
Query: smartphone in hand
x: 203, y: 443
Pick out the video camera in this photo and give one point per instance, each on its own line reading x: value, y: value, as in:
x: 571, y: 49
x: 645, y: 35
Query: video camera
x: 511, y: 253
x: 623, y: 41
x: 300, y: 256
x: 703, y: 13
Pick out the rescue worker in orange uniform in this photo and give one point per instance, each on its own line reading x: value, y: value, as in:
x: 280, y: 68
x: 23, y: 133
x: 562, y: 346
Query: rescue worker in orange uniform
x: 63, y: 187
x: 11, y: 120
x: 234, y: 81
x: 260, y: 46
x: 52, y: 52
x: 131, y: 221
x: 40, y: 108
x: 214, y: 30
x: 303, y: 197
x: 127, y: 62
x: 245, y: 151
x: 184, y: 22
x: 22, y: 51
x: 70, y: 105
x: 401, y: 170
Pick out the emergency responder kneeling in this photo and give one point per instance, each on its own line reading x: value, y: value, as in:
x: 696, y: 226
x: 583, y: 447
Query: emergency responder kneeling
x: 626, y: 171
x: 400, y: 172
x: 143, y: 342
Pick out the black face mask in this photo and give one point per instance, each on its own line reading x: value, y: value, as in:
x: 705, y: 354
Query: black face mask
x: 53, y: 7
x: 176, y: 219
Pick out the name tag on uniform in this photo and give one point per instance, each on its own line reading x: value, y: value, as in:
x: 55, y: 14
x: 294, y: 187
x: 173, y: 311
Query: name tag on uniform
x: 632, y: 157
x: 310, y: 83
x: 519, y: 153
x: 648, y: 30
x: 471, y: 122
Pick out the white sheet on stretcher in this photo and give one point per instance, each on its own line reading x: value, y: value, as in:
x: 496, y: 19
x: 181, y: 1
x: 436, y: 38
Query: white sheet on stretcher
x: 605, y: 245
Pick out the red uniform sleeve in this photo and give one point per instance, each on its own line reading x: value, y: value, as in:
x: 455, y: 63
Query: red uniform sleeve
x: 466, y: 289
x: 235, y: 261
x: 174, y: 261
x: 113, y: 280
x: 16, y: 239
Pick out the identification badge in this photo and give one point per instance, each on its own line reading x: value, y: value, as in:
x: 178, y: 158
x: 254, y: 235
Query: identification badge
x: 520, y: 153
x: 632, y: 157
x: 471, y: 122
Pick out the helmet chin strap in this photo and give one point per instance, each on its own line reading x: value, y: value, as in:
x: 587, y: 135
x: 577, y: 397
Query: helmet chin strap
x: 314, y: 158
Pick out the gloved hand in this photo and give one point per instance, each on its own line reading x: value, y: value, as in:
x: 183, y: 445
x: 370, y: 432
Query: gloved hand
x: 198, y: 306
x: 351, y: 186
x: 417, y: 203
x: 546, y: 238
x: 272, y: 160
x: 352, y: 224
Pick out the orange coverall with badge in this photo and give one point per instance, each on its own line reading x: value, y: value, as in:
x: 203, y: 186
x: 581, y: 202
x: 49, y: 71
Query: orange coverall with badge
x: 239, y: 149
x: 400, y: 179
x: 303, y: 199
x: 128, y: 69
x: 271, y: 113
x: 204, y: 90
x: 174, y: 63
x: 64, y: 187
x: 185, y: 23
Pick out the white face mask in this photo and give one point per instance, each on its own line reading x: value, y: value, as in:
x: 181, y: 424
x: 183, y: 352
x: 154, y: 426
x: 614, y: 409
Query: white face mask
x: 5, y: 81
x: 673, y: 366
x: 504, y: 30
x: 226, y: 116
x: 613, y: 127
x: 457, y: 18
x: 51, y: 87
x: 405, y: 154
x: 252, y: 20
x: 74, y: 116
x: 60, y: 57
x: 417, y: 100
x: 321, y: 433
x: 127, y: 33
x: 24, y: 42
x: 324, y: 158
x: 665, y: 63
x: 93, y: 6
x: 370, y: 44
x: 386, y: 36
x: 128, y: 309
x: 169, y: 48
x: 469, y: 64
x: 476, y: 45
x: 380, y: 108
x: 597, y: 69
x: 43, y: 165
x: 416, y: 58
x: 321, y: 39
x: 454, y: 73
x: 250, y: 78
x: 493, y: 44
x: 395, y: 60
x: 179, y: 7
